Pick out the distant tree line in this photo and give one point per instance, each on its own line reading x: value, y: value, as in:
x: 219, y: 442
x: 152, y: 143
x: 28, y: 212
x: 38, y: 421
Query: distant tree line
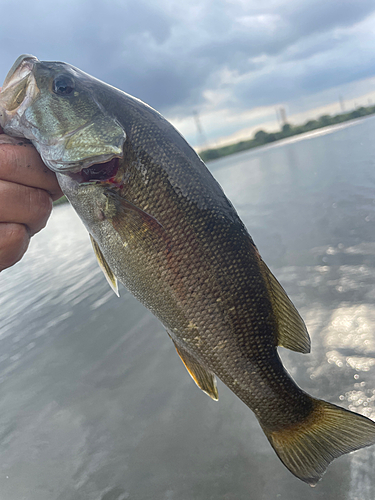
x: 261, y: 137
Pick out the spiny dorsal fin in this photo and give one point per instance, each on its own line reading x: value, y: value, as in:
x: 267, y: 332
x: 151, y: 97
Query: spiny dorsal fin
x: 111, y: 278
x: 204, y: 379
x: 292, y: 332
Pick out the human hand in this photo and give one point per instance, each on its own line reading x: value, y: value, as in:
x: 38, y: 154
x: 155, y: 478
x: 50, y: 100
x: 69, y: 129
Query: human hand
x: 27, y: 189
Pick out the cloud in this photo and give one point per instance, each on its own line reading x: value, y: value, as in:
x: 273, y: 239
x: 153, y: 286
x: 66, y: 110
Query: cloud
x: 206, y: 55
x: 323, y: 65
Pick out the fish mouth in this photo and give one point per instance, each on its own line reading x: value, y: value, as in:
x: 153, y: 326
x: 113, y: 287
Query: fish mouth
x: 18, y: 91
x: 21, y: 68
x: 97, y: 173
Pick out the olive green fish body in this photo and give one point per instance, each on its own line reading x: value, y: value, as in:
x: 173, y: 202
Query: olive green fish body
x: 200, y: 274
x: 162, y: 226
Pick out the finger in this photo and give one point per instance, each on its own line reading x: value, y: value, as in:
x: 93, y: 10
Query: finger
x: 14, y: 240
x: 20, y: 163
x: 16, y: 141
x: 24, y: 205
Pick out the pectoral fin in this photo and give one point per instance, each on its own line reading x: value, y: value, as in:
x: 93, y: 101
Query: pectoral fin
x: 292, y: 332
x: 204, y: 379
x: 133, y: 224
x: 111, y: 278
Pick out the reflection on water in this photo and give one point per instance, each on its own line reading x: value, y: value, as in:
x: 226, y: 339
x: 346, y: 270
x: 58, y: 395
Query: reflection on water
x: 95, y: 403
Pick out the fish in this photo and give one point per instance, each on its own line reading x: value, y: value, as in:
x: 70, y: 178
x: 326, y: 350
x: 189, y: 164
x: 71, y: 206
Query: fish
x: 161, y: 225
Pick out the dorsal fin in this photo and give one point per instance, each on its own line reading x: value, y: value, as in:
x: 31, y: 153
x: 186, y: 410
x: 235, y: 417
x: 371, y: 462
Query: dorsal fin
x: 111, y: 278
x: 204, y: 379
x: 292, y: 332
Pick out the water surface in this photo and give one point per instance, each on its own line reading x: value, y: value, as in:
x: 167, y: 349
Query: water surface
x: 95, y: 403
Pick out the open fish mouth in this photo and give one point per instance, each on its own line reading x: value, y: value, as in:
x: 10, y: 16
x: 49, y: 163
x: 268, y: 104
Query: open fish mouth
x: 18, y: 91
x: 99, y: 172
x: 22, y: 67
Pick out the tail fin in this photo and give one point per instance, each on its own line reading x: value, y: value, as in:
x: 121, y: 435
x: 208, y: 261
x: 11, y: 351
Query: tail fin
x: 307, y: 448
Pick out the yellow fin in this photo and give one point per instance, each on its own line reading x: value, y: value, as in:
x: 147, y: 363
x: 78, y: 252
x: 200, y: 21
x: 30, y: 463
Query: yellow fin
x: 111, y: 278
x: 292, y: 332
x: 204, y: 379
x: 306, y: 449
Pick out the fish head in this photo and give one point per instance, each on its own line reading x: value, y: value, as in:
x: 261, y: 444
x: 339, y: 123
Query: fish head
x: 58, y: 108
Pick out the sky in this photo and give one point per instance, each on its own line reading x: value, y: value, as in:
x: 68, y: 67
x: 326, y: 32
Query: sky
x: 231, y: 63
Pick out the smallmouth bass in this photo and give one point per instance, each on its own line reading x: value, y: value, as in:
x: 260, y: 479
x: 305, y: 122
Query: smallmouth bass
x: 161, y: 225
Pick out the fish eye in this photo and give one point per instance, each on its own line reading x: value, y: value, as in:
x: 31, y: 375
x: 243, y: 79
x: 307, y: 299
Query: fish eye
x: 63, y: 85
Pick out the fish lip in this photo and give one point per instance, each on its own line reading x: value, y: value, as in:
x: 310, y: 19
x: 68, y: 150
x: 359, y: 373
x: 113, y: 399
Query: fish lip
x: 23, y: 66
x: 19, y: 80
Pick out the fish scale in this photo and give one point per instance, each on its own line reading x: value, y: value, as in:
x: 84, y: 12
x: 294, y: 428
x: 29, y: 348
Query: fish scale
x: 161, y: 225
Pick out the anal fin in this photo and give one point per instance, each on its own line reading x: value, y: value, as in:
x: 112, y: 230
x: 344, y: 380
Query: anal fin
x: 204, y: 379
x: 291, y: 329
x: 111, y: 278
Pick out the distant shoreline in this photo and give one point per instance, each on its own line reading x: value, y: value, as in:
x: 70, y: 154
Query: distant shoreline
x: 262, y: 138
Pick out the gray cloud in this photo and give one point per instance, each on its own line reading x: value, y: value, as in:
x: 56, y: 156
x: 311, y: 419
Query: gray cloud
x: 169, y: 54
x: 324, y: 67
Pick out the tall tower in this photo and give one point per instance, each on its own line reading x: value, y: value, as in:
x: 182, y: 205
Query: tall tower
x: 283, y: 115
x: 201, y: 137
x: 342, y: 104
